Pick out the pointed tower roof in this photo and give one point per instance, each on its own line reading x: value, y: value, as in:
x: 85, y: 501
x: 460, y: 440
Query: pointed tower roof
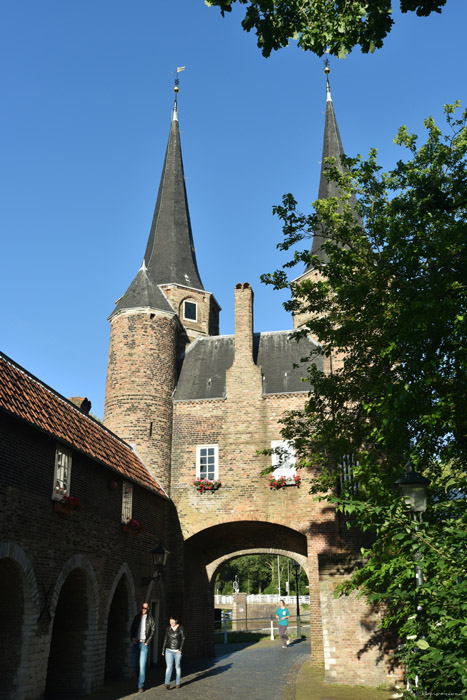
x: 332, y: 148
x: 170, y: 252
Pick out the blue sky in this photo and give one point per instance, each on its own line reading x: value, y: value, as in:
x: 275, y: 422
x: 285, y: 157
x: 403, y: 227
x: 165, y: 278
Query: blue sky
x: 87, y: 96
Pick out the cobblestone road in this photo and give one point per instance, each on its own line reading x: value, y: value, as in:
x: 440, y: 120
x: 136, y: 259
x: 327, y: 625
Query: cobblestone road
x: 251, y: 673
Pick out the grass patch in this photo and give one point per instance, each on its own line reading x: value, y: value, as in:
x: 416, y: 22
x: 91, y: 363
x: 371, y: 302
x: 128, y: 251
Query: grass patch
x: 311, y: 676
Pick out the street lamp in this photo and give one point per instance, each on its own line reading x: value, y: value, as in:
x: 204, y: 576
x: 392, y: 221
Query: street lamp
x: 159, y: 559
x: 413, y: 488
x: 296, y: 567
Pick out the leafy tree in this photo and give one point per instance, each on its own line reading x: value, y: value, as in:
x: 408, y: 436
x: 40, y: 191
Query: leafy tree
x: 318, y: 25
x: 257, y: 573
x: 389, y: 302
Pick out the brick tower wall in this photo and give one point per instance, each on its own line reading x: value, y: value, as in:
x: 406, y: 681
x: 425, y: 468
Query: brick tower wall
x: 141, y: 375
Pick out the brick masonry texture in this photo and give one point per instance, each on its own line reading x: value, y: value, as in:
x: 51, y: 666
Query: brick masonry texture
x: 140, y: 381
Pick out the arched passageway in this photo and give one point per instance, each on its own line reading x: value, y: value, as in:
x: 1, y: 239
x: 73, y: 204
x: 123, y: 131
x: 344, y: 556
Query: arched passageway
x: 117, y: 645
x: 68, y: 647
x: 204, y: 553
x: 11, y: 624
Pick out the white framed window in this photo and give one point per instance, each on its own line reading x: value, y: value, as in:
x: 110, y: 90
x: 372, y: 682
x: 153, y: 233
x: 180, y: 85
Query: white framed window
x: 190, y: 311
x: 207, y: 462
x: 62, y: 473
x: 283, y: 459
x: 127, y: 501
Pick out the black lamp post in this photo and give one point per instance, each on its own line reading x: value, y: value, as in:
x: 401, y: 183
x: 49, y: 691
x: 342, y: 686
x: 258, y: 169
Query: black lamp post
x: 296, y: 567
x: 413, y: 488
x: 159, y: 559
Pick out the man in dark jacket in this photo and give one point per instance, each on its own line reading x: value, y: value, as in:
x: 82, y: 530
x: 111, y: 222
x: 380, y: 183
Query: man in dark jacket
x: 142, y: 632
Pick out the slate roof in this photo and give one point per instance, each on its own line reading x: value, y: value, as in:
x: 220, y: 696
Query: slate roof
x: 170, y: 252
x: 27, y: 398
x: 203, y: 368
x: 144, y: 292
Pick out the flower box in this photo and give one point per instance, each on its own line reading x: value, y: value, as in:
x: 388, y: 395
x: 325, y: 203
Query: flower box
x: 276, y: 483
x: 203, y: 485
x: 68, y: 505
x: 134, y: 527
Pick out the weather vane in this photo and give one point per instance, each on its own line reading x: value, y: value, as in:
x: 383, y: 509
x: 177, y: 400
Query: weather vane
x: 327, y: 68
x: 177, y: 81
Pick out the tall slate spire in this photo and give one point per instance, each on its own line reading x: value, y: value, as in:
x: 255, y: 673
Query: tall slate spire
x: 170, y: 254
x: 332, y: 148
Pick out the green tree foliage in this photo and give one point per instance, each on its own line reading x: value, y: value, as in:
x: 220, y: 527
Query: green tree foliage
x: 391, y: 300
x: 318, y: 25
x: 257, y: 573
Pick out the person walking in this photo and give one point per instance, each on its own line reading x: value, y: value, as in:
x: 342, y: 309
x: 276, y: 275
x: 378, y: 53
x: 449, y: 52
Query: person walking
x: 141, y: 633
x: 283, y: 615
x: 172, y: 650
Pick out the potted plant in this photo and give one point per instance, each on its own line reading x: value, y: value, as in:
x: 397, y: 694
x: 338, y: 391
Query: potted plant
x: 202, y: 485
x: 68, y: 504
x: 133, y: 526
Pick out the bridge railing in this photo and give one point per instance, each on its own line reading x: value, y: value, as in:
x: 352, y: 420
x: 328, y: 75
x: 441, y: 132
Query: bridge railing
x: 263, y: 598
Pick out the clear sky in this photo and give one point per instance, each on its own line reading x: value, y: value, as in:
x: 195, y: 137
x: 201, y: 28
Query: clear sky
x: 87, y: 97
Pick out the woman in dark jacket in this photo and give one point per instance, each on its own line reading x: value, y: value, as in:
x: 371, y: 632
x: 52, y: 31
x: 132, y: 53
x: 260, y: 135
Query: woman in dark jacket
x: 172, y: 650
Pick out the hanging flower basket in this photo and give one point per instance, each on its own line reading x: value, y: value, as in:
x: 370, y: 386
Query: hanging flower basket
x: 68, y: 505
x: 203, y: 485
x: 276, y: 483
x: 134, y: 527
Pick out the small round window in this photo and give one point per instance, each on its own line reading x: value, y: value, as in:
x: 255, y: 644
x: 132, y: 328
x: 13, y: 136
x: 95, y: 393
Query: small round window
x: 189, y: 310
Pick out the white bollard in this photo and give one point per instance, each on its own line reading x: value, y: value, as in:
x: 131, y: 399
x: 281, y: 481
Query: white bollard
x: 272, y: 630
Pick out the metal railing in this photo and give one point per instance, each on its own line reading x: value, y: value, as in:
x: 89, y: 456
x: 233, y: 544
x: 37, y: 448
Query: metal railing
x: 261, y: 625
x: 263, y: 598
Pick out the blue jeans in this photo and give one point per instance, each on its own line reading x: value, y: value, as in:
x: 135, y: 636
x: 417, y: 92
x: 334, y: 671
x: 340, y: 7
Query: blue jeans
x: 170, y: 657
x: 139, y: 660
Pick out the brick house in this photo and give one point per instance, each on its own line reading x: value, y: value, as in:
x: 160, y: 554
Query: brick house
x: 70, y: 580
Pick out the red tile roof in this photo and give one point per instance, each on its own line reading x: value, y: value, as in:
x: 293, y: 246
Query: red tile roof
x: 26, y: 397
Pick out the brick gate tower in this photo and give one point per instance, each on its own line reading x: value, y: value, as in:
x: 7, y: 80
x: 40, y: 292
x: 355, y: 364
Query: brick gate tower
x: 163, y: 309
x: 202, y: 406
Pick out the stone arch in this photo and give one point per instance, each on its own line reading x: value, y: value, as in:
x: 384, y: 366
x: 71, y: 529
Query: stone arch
x: 120, y: 610
x: 208, y: 548
x: 73, y: 643
x: 213, y: 567
x: 19, y: 610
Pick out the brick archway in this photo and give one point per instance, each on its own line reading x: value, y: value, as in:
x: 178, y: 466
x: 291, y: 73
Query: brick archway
x: 19, y: 605
x: 208, y: 549
x: 73, y: 643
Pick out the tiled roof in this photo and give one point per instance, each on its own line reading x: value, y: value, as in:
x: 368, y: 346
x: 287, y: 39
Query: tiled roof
x: 27, y: 398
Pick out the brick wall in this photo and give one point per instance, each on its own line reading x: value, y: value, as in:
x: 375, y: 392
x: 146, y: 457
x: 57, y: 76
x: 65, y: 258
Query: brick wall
x: 57, y: 557
x: 207, y: 321
x: 140, y: 381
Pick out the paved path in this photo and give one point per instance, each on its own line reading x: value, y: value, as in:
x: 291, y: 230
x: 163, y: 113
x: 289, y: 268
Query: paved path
x: 249, y: 673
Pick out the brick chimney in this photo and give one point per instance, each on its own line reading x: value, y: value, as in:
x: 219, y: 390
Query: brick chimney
x: 243, y: 324
x: 244, y: 378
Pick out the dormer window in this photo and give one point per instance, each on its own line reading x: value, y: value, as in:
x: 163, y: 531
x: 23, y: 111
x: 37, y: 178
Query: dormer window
x: 189, y: 311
